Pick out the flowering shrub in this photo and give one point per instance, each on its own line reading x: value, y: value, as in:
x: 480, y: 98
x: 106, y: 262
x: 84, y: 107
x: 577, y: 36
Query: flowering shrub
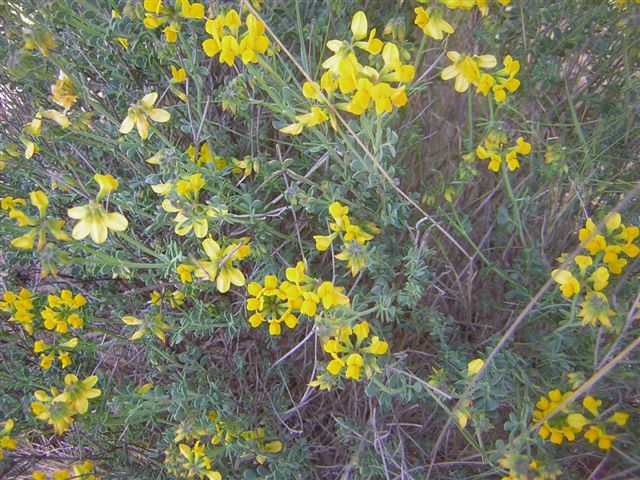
x: 330, y: 239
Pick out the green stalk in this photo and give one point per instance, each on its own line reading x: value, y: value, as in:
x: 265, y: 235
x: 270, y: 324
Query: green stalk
x: 514, y: 203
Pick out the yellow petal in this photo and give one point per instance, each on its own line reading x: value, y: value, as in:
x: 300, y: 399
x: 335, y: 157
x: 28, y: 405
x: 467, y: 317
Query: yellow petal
x: 359, y: 26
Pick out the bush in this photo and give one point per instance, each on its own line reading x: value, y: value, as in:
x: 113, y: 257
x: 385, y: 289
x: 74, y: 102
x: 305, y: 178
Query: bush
x: 319, y: 239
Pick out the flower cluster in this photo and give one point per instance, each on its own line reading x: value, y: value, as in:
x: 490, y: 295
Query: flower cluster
x: 183, y: 199
x: 60, y: 409
x: 63, y: 95
x: 48, y: 352
x: 229, y: 42
x: 432, y: 23
x: 63, y: 311
x: 496, y: 151
x: 93, y: 219
x: 524, y: 467
x: 173, y: 298
x: 204, y: 156
x: 141, y: 112
x: 150, y: 324
x: 276, y: 302
x: 199, y: 442
x: 20, y: 307
x: 590, y: 273
x: 82, y: 470
x: 157, y: 14
x: 472, y: 70
x: 483, y: 5
x: 220, y: 267
x: 566, y: 424
x: 352, y: 351
x: 357, y: 88
x: 34, y: 129
x: 62, y: 92
x: 6, y: 440
x: 37, y: 228
x: 353, y: 237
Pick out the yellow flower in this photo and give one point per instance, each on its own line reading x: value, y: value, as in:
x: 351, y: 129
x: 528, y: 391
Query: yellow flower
x: 600, y: 278
x: 155, y: 325
x: 10, y: 203
x: 107, y: 184
x: 354, y: 364
x: 347, y: 349
x: 254, y: 41
x: 82, y: 470
x: 65, y: 359
x: 466, y: 69
x: 597, y: 434
x: 256, y: 440
x: 221, y: 265
x: 46, y: 361
x: 323, y: 382
x: 557, y: 429
x: 577, y: 421
x: 40, y: 346
x: 77, y: 393
x: 246, y: 166
x: 505, y: 79
x: 619, y: 418
x: 331, y: 295
x: 94, y: 220
x: 31, y: 148
x: 20, y: 307
x: 592, y: 404
x: 183, y: 9
x: 569, y: 285
x: 354, y: 254
x: 474, y: 366
x: 595, y: 308
x: 63, y: 311
x: 197, y: 463
x: 584, y: 262
x: 62, y: 92
x: 142, y: 389
x: 141, y: 112
x: 491, y: 150
x: 432, y: 23
x: 324, y: 241
x: 315, y: 117
x: 613, y: 261
x: 54, y: 411
x: 185, y: 271
x: 272, y: 303
x: 6, y: 441
x: 214, y: 27
x: 521, y: 148
x: 596, y: 242
x: 463, y: 4
x: 37, y: 228
x: 178, y: 75
x: 60, y: 118
x: 192, y: 10
x: 229, y: 50
x: 190, y: 213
